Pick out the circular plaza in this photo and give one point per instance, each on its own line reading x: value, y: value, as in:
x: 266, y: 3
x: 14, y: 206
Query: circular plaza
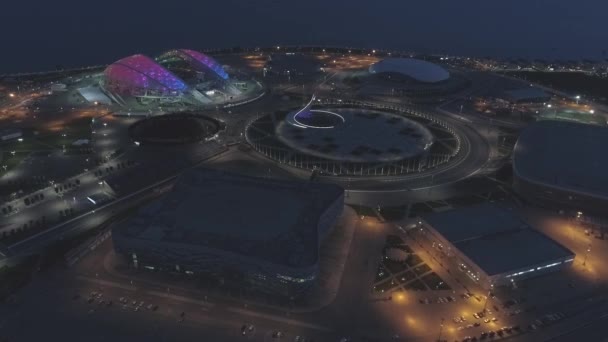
x: 355, y: 140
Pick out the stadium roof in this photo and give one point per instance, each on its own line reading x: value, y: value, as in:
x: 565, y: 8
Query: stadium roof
x: 139, y: 72
x: 272, y: 220
x: 419, y: 70
x: 198, y: 58
x: 487, y: 234
x: 565, y: 155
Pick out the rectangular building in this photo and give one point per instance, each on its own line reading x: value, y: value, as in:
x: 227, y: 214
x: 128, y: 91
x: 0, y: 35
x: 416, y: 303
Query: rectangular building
x: 492, y: 245
x: 254, y: 233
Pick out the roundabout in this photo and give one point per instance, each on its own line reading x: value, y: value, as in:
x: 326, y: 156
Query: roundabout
x: 355, y: 140
x: 355, y: 135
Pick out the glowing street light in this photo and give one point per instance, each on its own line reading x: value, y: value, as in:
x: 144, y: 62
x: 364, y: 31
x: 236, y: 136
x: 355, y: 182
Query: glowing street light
x: 577, y: 97
x: 11, y: 95
x: 586, y: 255
x: 591, y: 111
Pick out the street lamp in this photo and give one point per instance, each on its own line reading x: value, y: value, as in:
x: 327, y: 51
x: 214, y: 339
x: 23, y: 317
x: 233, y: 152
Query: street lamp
x: 578, y: 97
x: 485, y: 304
x: 586, y: 255
x: 440, y: 329
x: 554, y: 113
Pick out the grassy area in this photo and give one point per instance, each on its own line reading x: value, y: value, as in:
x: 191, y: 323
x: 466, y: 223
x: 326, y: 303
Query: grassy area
x: 573, y: 82
x: 28, y: 144
x: 585, y: 118
x: 74, y: 130
x: 11, y: 161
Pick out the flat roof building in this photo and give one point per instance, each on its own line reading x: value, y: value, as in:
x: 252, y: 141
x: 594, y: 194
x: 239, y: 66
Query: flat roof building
x: 263, y: 234
x: 562, y: 164
x: 492, y: 245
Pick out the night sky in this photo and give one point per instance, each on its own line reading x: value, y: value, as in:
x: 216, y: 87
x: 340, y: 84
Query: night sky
x: 40, y: 34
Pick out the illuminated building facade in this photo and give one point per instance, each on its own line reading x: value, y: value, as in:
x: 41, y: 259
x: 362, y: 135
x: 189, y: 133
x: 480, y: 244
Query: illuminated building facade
x: 479, y: 240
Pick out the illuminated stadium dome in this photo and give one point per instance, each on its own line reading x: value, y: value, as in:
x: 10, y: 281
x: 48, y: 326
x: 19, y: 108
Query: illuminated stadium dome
x: 139, y: 75
x: 190, y: 59
x: 416, y: 69
x: 176, y: 77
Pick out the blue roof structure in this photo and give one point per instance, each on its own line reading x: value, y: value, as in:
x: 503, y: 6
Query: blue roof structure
x: 495, y: 239
x: 473, y: 222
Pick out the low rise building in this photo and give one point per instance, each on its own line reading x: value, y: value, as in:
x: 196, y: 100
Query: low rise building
x: 492, y: 245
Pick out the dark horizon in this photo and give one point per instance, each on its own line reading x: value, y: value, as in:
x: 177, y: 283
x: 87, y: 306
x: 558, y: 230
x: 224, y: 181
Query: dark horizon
x: 70, y: 34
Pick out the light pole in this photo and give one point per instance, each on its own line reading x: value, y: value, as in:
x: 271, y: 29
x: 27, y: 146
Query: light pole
x: 440, y: 329
x: 586, y: 255
x: 485, y: 304
x: 555, y: 112
x: 577, y: 97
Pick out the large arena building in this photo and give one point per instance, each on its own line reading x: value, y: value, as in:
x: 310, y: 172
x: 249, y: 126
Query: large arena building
x: 479, y: 242
x: 563, y: 165
x: 258, y: 234
x: 418, y: 80
x: 182, y: 76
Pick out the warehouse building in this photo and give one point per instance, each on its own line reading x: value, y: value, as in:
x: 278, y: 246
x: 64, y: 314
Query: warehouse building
x: 492, y: 245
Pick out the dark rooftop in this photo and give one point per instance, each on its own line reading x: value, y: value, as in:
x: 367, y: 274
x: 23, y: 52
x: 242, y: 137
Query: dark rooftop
x: 565, y: 155
x: 473, y: 222
x: 495, y: 238
x: 267, y: 219
x: 517, y: 249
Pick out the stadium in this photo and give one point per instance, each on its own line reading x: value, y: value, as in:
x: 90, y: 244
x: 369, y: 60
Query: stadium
x: 418, y: 80
x: 561, y: 164
x: 175, y: 78
x: 341, y: 138
x: 265, y: 238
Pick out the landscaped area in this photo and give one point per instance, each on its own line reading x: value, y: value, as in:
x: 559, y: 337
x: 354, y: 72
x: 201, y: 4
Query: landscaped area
x: 407, y: 273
